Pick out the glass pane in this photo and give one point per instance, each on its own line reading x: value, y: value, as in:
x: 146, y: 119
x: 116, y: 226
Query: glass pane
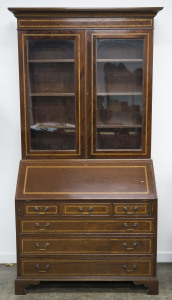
x: 119, y: 93
x: 52, y: 94
x: 47, y: 49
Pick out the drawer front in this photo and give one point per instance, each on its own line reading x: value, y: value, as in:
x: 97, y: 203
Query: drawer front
x: 87, y: 226
x: 133, y: 209
x: 81, y: 209
x: 89, y: 267
x: 37, y: 209
x: 86, y: 246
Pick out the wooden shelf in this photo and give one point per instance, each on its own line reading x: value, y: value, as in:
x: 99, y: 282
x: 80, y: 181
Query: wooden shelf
x: 51, y: 60
x: 119, y: 126
x: 69, y: 129
x: 52, y: 94
x: 50, y: 127
x: 120, y: 94
x: 119, y: 60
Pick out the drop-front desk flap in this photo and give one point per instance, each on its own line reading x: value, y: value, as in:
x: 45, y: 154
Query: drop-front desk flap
x: 86, y: 179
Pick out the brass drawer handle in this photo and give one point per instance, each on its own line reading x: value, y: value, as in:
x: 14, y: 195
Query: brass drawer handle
x: 126, y: 226
x: 42, y: 249
x: 127, y: 248
x: 46, y: 226
x: 38, y: 268
x: 45, y: 209
x: 81, y: 209
x: 129, y: 271
x: 130, y: 213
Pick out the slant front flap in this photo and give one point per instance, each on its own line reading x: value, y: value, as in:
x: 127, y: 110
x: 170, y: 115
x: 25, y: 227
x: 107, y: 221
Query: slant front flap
x: 86, y: 179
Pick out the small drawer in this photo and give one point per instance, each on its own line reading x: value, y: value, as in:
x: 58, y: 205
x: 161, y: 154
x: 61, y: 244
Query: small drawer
x: 133, y: 209
x: 88, y: 267
x: 40, y: 209
x: 90, y: 245
x: 86, y: 209
x: 87, y: 226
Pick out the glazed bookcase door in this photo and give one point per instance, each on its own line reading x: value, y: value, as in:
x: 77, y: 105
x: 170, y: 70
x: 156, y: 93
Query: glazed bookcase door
x: 51, y: 116
x: 119, y: 94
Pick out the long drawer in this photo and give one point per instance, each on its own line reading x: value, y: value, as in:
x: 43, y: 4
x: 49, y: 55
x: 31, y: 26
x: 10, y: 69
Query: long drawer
x: 87, y: 226
x: 83, y: 245
x: 87, y: 267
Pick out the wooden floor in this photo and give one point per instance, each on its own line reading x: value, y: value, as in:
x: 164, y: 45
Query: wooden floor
x: 86, y: 291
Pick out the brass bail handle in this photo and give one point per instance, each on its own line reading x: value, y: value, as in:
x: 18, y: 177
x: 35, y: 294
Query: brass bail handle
x: 83, y: 210
x: 42, y: 249
x: 128, y: 248
x: 37, y: 266
x: 126, y: 226
x: 130, y: 270
x: 47, y: 225
x: 132, y: 212
x: 43, y: 211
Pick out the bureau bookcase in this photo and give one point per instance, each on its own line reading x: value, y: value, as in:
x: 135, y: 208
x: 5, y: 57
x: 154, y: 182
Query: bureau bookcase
x: 86, y: 202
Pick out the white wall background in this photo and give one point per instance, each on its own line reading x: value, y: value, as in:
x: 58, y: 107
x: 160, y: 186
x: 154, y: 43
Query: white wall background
x: 10, y: 152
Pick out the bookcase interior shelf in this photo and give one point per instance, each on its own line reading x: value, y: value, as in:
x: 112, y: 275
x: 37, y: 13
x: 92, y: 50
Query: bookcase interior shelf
x: 52, y: 94
x: 119, y: 60
x: 51, y: 60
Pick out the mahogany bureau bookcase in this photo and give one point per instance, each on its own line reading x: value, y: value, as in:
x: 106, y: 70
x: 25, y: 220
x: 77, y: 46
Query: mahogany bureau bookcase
x: 86, y: 202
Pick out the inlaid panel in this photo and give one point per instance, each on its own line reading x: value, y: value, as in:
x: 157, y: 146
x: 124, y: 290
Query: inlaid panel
x: 84, y: 209
x: 87, y: 226
x: 78, y: 267
x: 133, y: 209
x: 86, y: 245
x: 37, y: 208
